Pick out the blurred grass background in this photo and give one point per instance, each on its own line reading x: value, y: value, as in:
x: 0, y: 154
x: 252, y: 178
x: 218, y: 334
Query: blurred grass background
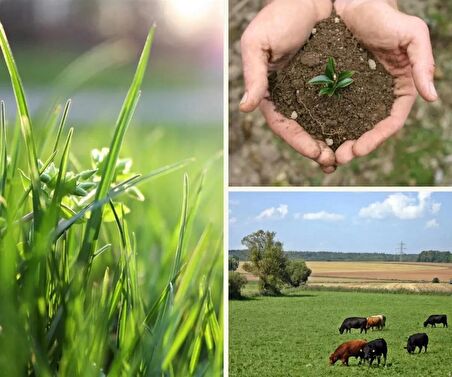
x: 419, y: 155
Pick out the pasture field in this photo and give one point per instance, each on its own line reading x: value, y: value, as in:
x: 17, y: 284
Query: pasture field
x: 293, y: 335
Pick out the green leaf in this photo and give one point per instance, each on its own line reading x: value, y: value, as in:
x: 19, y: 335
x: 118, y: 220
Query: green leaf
x: 330, y: 70
x: 322, y: 79
x: 344, y: 83
x: 329, y: 91
x: 345, y: 75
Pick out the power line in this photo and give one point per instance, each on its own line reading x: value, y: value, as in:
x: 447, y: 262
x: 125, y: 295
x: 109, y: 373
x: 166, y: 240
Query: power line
x: 401, y: 248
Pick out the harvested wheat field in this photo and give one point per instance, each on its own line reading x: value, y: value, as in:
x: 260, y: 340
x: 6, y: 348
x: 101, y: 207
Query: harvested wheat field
x: 391, y: 276
x: 382, y: 270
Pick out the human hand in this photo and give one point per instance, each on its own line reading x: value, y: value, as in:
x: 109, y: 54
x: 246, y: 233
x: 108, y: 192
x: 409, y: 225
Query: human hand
x: 402, y: 44
x: 277, y: 32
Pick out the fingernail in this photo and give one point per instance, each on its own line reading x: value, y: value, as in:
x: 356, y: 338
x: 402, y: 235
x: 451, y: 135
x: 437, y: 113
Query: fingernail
x: 244, y: 98
x: 433, y: 90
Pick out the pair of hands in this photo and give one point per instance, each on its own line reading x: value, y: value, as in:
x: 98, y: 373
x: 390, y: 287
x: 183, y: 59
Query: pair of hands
x: 399, y: 41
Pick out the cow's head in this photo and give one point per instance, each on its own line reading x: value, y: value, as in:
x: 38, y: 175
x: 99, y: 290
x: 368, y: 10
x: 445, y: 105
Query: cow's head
x: 341, y: 330
x: 333, y: 358
x: 368, y: 352
x: 425, y: 324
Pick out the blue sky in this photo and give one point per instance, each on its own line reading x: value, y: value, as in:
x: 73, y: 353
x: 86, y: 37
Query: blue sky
x: 345, y: 221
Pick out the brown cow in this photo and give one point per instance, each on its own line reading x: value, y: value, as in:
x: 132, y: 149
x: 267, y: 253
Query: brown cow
x: 374, y: 321
x: 348, y: 349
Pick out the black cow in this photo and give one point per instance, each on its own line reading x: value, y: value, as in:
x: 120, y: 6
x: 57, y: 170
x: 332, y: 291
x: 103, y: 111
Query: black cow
x: 354, y: 323
x: 417, y: 340
x: 436, y: 318
x: 375, y: 349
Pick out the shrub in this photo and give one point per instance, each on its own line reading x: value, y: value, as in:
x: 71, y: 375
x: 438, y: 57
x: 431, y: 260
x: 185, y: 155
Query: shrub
x: 236, y: 282
x: 248, y: 267
x: 233, y: 263
x: 435, y: 280
x: 297, y: 273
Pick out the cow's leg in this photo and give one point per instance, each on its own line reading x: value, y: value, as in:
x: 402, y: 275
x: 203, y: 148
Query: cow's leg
x: 420, y: 349
x: 384, y: 355
x: 425, y: 348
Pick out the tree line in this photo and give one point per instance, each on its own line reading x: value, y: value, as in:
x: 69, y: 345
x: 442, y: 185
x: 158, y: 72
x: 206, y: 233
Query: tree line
x: 433, y: 256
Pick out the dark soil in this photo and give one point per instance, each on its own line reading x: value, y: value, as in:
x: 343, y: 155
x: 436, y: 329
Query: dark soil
x: 357, y: 109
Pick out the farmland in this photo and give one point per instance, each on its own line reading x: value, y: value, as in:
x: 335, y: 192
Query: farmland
x: 378, y: 275
x: 293, y: 335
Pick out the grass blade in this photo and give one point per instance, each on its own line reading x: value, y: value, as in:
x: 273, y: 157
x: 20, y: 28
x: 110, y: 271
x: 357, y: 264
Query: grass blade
x: 61, y: 125
x: 4, y: 152
x: 25, y: 122
x: 93, y: 226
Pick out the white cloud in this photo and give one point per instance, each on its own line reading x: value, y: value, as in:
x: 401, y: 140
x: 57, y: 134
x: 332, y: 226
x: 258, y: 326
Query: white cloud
x: 274, y: 213
x: 432, y: 224
x: 402, y: 206
x: 320, y: 216
x: 436, y: 207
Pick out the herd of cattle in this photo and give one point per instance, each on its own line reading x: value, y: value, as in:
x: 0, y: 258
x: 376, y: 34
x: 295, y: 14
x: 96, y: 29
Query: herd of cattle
x: 375, y: 349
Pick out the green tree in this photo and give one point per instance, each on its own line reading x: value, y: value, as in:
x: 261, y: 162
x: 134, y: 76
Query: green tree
x: 233, y: 263
x: 268, y: 260
x: 236, y: 282
x: 297, y: 272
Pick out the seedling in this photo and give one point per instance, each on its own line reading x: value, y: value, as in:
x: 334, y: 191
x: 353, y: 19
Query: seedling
x: 331, y: 80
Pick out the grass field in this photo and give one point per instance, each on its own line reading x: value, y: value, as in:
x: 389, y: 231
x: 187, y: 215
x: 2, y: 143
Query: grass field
x: 293, y: 335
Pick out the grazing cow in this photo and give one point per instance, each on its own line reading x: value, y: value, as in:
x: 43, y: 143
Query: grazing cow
x: 348, y: 349
x: 436, y: 318
x: 353, y: 323
x: 374, y: 321
x: 375, y: 349
x: 417, y: 340
x: 383, y: 318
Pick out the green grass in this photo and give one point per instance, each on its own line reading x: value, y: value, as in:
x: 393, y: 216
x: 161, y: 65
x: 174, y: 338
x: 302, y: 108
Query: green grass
x: 96, y: 283
x: 295, y: 334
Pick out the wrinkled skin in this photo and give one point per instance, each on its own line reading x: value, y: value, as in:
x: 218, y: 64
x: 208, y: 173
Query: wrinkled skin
x: 276, y: 33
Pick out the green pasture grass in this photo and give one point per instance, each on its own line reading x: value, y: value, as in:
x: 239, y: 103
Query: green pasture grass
x: 91, y: 287
x: 294, y: 335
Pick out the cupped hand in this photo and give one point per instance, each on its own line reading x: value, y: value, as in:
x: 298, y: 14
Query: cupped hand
x: 402, y: 44
x: 277, y: 32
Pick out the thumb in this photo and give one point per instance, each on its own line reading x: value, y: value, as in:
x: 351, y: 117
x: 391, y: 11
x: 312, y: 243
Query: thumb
x: 255, y: 68
x: 421, y: 58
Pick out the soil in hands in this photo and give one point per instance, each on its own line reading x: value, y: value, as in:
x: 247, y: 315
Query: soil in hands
x: 357, y: 109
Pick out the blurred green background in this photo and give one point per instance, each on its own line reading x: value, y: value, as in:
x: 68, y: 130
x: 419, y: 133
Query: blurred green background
x: 420, y: 154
